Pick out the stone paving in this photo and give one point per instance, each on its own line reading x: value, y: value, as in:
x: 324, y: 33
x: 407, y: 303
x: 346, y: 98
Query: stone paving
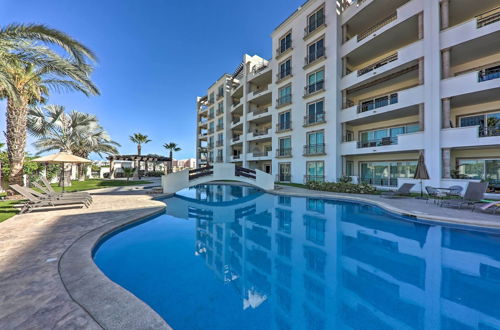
x: 32, y: 295
x: 32, y: 292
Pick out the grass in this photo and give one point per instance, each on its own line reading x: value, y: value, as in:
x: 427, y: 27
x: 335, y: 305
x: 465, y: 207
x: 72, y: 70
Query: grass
x: 97, y: 184
x: 7, y: 209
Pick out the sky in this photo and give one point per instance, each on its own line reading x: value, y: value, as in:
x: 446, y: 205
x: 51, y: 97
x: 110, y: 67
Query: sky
x: 155, y: 58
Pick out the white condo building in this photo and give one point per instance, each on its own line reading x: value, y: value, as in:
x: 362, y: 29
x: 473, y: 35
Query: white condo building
x: 360, y: 88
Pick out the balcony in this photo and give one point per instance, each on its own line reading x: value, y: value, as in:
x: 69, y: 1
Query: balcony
x: 235, y: 121
x: 236, y: 105
x: 219, y: 96
x: 235, y: 157
x: 479, y: 26
x: 314, y: 88
x: 284, y: 100
x: 211, y: 130
x: 284, y: 127
x: 378, y: 64
x: 311, y: 29
x: 470, y: 136
x: 236, y: 138
x: 471, y: 82
x: 211, y: 115
x: 220, y: 128
x: 315, y: 119
x: 220, y: 111
x: 210, y: 145
x: 258, y: 113
x: 259, y: 155
x: 378, y: 26
x: 403, y: 103
x: 284, y: 153
x: 282, y: 177
x: 258, y: 133
x: 403, y: 142
x: 315, y: 57
x: 314, y: 149
x: 219, y: 143
x: 314, y: 178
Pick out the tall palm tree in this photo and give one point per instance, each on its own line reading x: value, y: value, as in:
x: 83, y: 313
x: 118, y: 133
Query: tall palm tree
x: 29, y: 69
x: 140, y: 140
x: 75, y: 132
x: 171, y: 147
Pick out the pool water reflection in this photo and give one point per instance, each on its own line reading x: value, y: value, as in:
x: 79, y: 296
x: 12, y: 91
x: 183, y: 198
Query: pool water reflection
x: 231, y: 257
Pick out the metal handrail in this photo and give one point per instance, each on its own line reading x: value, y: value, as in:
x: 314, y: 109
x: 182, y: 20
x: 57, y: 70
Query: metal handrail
x: 377, y: 26
x: 386, y: 141
x: 282, y: 127
x: 313, y: 88
x: 311, y: 28
x: 378, y: 64
x: 287, y: 99
x: 310, y: 58
x: 488, y: 17
x: 489, y: 73
x: 315, y: 119
x: 284, y: 152
x: 314, y: 149
x: 378, y: 102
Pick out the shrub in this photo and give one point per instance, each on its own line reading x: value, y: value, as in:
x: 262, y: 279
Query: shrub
x: 342, y: 187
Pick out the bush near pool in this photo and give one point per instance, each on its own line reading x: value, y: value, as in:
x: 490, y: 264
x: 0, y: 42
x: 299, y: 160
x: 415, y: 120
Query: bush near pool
x: 342, y: 187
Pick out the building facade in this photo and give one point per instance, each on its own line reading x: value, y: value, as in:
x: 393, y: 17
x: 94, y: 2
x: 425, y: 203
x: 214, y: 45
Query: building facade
x: 360, y: 88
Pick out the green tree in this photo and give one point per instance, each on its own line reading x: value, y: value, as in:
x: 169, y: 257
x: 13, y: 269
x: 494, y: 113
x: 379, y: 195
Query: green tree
x: 128, y: 172
x: 140, y: 140
x: 29, y: 69
x: 171, y: 147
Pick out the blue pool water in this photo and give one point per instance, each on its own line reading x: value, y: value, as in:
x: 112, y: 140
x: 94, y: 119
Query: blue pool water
x: 230, y: 257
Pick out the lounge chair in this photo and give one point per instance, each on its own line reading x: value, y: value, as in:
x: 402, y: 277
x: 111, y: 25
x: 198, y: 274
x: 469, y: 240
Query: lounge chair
x: 34, y: 202
x: 455, y: 191
x: 48, y: 195
x: 435, y: 194
x: 483, y: 207
x: 402, y: 191
x: 50, y: 190
x: 473, y: 194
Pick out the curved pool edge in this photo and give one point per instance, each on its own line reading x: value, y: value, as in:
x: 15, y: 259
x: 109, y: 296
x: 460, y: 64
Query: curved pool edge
x: 109, y: 304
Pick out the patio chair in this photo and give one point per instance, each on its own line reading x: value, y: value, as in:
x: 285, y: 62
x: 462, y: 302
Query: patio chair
x: 402, y: 191
x: 50, y: 190
x: 483, y: 207
x: 435, y: 194
x: 455, y: 191
x: 34, y: 202
x: 49, y: 195
x: 473, y: 194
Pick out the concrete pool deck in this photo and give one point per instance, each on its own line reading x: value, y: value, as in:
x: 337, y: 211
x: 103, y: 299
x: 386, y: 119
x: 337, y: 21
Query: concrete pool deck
x: 48, y: 278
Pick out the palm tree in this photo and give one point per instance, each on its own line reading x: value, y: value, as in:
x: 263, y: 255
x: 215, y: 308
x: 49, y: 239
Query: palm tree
x: 128, y: 171
x: 75, y: 132
x: 172, y: 146
x: 29, y: 69
x: 139, y: 139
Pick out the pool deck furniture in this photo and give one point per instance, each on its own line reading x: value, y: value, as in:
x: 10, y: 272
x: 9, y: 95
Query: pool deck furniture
x: 402, y: 191
x: 49, y: 280
x: 435, y: 194
x: 473, y: 194
x: 485, y: 207
x: 48, y: 195
x: 50, y: 190
x: 35, y: 202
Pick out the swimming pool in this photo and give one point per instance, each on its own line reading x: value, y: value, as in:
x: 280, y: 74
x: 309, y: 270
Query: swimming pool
x: 232, y: 257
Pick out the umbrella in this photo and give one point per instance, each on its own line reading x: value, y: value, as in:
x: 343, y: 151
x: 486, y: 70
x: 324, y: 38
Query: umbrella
x: 61, y: 158
x: 421, y: 172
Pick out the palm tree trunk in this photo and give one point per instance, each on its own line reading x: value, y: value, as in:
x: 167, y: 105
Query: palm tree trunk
x: 170, y: 170
x: 17, y: 117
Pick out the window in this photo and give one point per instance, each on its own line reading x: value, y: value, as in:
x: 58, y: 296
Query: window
x: 489, y: 123
x: 285, y: 95
x: 315, y: 51
x: 316, y: 205
x: 349, y: 168
x: 315, y: 113
x: 284, y: 122
x: 315, y: 260
x: 220, y: 92
x: 315, y: 143
x: 385, y: 136
x: 285, y: 69
x: 315, y: 81
x: 211, y: 113
x: 315, y: 171
x: 211, y: 98
x: 285, y: 148
x: 211, y: 127
x: 386, y: 173
x: 315, y: 229
x: 378, y: 102
x: 284, y: 170
x: 315, y: 20
x: 480, y: 169
x: 284, y: 246
x: 285, y: 200
x: 220, y: 108
x: 285, y: 43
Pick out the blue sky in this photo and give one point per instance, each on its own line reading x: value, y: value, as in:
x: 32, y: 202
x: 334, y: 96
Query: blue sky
x: 155, y: 57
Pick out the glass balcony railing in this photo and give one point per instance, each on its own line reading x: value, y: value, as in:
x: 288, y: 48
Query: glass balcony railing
x: 378, y: 102
x: 489, y: 74
x: 314, y: 149
x: 489, y: 131
x: 385, y: 141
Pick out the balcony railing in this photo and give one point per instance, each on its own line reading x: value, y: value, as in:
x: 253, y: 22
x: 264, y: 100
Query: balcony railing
x: 318, y: 118
x: 219, y: 159
x: 280, y: 50
x: 377, y: 26
x: 314, y: 178
x: 283, y: 74
x: 283, y: 177
x: 312, y: 57
x: 259, y: 132
x: 386, y: 141
x: 313, y: 88
x: 210, y: 145
x: 314, y: 149
x: 284, y: 100
x: 387, y: 182
x: 259, y: 68
x: 283, y: 126
x: 489, y: 131
x: 489, y: 17
x: 257, y: 112
x: 378, y: 64
x: 236, y: 138
x: 489, y: 73
x: 260, y: 153
x: 236, y: 120
x: 311, y: 28
x: 220, y: 127
x: 378, y: 102
x: 255, y: 92
x: 211, y: 130
x: 284, y: 152
x: 203, y: 133
x: 236, y: 156
x: 220, y: 111
x: 211, y: 115
x: 219, y: 143
x: 220, y: 95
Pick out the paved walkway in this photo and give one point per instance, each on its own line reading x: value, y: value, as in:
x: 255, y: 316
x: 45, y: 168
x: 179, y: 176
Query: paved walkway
x: 32, y: 295
x: 420, y: 208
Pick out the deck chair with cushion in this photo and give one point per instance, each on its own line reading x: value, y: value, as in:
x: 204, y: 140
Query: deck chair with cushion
x: 34, y: 202
x: 473, y: 194
x: 402, y: 191
x: 48, y: 195
x: 50, y: 190
x: 487, y: 206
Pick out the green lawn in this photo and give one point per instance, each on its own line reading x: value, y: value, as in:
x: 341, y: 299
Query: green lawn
x: 97, y: 184
x: 7, y: 209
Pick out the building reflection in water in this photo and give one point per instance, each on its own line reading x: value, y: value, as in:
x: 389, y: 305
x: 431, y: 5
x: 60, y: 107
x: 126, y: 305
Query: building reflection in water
x: 330, y: 265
